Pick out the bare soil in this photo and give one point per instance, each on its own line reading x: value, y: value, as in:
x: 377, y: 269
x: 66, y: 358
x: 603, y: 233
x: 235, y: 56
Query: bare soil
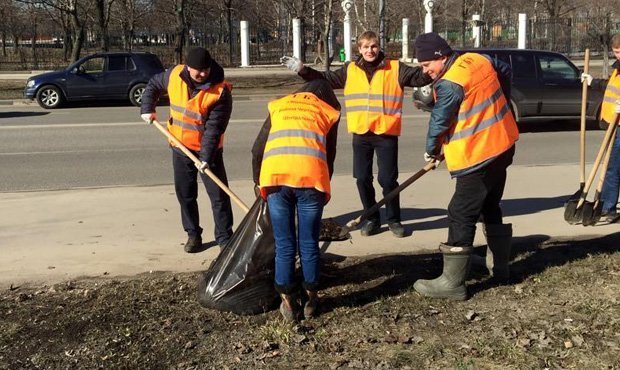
x: 561, y: 311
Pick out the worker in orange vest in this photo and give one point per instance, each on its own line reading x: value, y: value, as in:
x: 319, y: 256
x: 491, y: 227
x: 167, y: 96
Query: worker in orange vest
x: 609, y: 109
x: 373, y: 91
x: 473, y: 125
x: 293, y: 161
x: 200, y: 108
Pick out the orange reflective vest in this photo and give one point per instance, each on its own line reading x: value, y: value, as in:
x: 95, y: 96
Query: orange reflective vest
x: 485, y: 126
x: 612, y: 93
x: 375, y: 106
x: 187, y: 115
x: 295, y: 153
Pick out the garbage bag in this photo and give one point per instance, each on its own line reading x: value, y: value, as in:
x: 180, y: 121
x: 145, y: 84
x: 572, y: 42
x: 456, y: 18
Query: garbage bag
x: 241, y: 278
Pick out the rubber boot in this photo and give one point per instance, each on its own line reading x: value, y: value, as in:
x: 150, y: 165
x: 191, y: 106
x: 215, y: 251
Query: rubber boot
x: 310, y: 307
x: 288, y: 307
x: 451, y: 283
x: 499, y: 240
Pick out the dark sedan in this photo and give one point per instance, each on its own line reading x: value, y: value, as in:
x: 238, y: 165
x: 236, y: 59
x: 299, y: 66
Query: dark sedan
x: 545, y: 86
x: 103, y: 76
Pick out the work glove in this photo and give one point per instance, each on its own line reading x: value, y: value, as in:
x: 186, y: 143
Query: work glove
x: 617, y: 107
x: 292, y: 63
x: 586, y: 77
x: 149, y: 117
x: 202, y: 166
x: 429, y: 158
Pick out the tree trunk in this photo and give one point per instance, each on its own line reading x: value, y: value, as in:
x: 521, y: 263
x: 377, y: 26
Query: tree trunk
x: 3, y: 39
x: 78, y: 30
x: 35, y: 59
x: 179, y: 41
x: 230, y: 31
x: 104, y: 39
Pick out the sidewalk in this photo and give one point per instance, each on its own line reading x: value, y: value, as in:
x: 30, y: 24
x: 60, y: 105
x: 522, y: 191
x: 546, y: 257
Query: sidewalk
x: 53, y: 236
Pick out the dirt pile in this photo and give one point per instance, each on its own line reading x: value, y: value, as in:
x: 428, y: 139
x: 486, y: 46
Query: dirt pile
x: 561, y: 311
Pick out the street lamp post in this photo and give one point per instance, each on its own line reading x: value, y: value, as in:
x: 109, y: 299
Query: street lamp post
x: 428, y: 19
x: 346, y: 6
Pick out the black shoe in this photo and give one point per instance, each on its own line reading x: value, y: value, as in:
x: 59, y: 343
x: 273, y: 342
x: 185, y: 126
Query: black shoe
x: 193, y: 245
x: 397, y: 229
x: 610, y: 217
x: 370, y: 228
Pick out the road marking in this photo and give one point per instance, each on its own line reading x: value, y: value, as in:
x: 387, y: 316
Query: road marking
x: 116, y: 124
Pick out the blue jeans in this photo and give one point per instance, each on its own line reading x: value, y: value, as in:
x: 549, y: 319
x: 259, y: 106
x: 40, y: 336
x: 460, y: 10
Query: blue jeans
x: 309, y: 204
x: 611, y: 185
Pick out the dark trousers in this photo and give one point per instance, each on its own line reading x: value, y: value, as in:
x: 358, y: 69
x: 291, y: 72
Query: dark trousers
x: 186, y: 187
x: 386, y: 147
x: 477, y: 194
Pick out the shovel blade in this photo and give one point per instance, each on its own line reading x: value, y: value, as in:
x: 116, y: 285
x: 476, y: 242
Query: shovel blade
x: 572, y: 214
x: 587, y: 213
x: 592, y: 213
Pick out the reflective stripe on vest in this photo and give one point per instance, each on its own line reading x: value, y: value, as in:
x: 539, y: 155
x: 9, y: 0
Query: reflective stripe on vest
x: 612, y: 93
x: 375, y: 106
x: 187, y: 115
x: 295, y: 153
x: 485, y: 126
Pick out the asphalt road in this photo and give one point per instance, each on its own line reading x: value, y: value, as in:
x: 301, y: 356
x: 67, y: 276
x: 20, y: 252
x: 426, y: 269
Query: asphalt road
x: 109, y: 145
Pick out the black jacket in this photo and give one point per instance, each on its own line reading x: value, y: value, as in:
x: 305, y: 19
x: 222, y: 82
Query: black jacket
x: 217, y: 119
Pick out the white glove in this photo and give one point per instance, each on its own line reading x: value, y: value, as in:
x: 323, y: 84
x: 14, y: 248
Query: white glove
x: 586, y: 77
x: 149, y: 117
x: 292, y: 63
x: 431, y: 159
x: 202, y: 166
x: 617, y: 107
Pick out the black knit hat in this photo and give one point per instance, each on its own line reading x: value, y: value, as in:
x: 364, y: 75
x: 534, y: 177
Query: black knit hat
x: 198, y: 58
x: 431, y: 46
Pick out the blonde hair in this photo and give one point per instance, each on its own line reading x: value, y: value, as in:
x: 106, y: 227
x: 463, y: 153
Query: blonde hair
x: 615, y: 41
x: 367, y: 35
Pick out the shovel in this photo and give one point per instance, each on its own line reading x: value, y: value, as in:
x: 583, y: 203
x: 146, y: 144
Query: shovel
x: 352, y: 225
x: 575, y: 207
x: 571, y: 215
x: 197, y: 162
x: 592, y: 210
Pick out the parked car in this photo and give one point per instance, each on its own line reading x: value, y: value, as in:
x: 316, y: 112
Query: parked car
x: 545, y: 86
x: 103, y: 76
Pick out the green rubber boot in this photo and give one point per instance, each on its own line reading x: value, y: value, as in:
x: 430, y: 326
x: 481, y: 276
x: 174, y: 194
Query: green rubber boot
x: 451, y: 283
x: 499, y: 241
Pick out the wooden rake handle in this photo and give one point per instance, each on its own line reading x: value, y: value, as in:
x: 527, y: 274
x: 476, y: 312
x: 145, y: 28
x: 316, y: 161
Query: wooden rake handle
x: 197, y: 162
x: 611, y: 129
x: 584, y: 104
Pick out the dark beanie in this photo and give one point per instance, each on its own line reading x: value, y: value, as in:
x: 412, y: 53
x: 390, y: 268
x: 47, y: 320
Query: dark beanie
x: 431, y: 46
x: 198, y: 58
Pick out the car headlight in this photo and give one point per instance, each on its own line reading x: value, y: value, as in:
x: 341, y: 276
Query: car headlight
x: 30, y: 83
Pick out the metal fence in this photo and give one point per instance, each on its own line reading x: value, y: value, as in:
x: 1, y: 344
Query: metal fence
x: 566, y: 35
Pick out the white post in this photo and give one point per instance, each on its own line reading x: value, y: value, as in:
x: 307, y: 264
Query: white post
x: 522, y: 31
x: 346, y: 6
x: 297, y: 38
x: 476, y: 29
x: 428, y: 19
x: 405, y: 39
x: 245, y: 44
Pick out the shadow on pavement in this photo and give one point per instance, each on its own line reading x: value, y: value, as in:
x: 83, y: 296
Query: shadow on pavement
x: 14, y: 114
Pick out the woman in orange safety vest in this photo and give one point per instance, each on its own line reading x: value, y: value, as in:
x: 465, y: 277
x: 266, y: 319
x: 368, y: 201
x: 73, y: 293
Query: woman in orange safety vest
x: 293, y: 160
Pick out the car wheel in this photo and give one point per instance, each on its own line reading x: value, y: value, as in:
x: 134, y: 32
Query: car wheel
x: 135, y: 94
x: 49, y: 97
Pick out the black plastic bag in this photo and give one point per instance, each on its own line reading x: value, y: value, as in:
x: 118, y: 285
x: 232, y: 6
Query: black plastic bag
x: 241, y: 278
